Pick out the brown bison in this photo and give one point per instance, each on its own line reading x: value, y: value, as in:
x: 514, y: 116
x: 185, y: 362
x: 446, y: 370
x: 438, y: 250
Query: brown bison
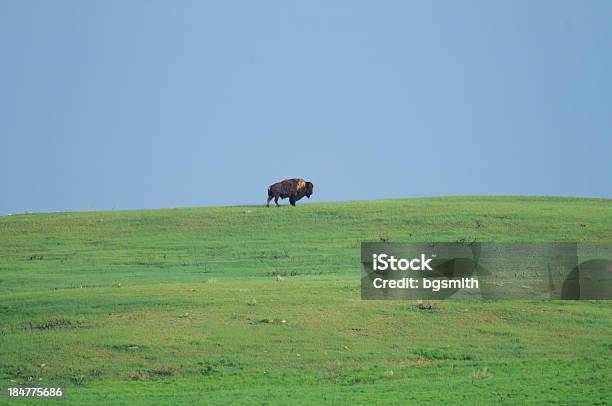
x: 294, y: 189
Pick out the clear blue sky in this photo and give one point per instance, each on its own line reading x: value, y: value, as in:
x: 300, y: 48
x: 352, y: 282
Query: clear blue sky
x: 133, y: 104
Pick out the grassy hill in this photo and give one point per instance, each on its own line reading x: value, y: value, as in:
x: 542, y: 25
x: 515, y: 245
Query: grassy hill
x: 169, y: 305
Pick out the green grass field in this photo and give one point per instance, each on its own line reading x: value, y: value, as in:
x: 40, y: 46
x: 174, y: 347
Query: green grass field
x: 184, y: 306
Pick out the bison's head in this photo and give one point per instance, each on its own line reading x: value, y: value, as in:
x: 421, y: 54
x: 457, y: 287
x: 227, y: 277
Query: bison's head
x: 309, y: 187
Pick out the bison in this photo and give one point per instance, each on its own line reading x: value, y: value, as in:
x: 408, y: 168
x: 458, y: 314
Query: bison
x: 294, y: 189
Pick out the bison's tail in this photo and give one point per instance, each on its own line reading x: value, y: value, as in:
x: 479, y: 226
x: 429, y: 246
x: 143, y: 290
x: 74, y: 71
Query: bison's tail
x: 270, y: 194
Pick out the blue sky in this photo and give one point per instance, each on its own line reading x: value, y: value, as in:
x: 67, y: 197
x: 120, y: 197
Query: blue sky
x: 134, y: 104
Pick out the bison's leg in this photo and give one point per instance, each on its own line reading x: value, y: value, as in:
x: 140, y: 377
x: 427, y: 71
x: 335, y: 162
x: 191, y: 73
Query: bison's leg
x: 270, y: 197
x: 292, y: 200
x: 276, y: 200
